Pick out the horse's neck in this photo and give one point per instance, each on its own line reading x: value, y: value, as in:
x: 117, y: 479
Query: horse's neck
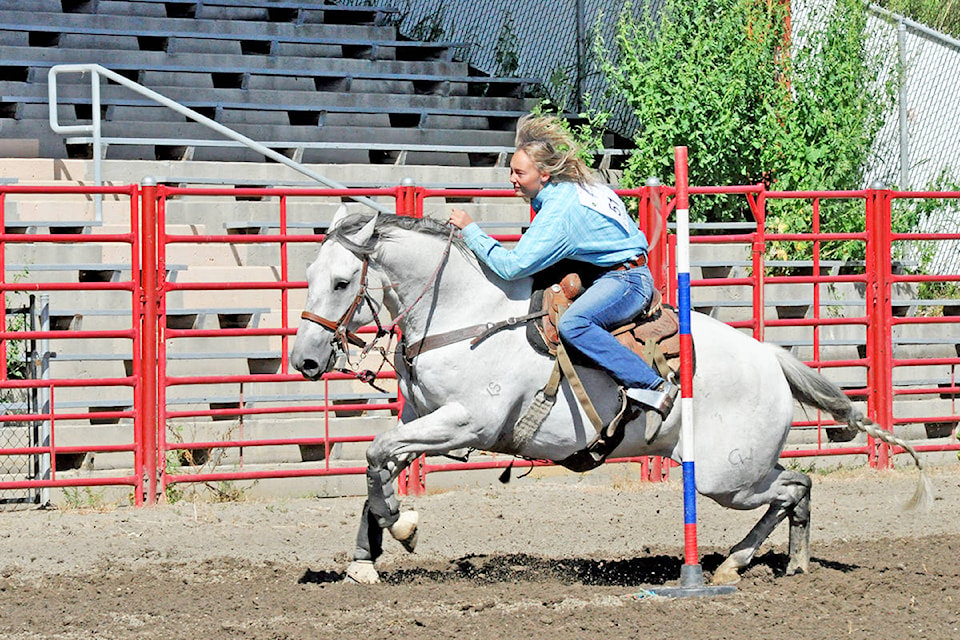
x: 436, y: 297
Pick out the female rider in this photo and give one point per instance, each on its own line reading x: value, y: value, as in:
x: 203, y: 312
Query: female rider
x: 579, y: 218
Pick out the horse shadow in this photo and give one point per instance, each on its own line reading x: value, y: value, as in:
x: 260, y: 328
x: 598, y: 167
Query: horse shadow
x: 653, y: 570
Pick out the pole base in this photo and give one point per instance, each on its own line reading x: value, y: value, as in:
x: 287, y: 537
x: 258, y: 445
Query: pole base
x: 691, y: 586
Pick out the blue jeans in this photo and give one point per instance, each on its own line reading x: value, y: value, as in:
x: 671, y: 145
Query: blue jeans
x: 614, y: 299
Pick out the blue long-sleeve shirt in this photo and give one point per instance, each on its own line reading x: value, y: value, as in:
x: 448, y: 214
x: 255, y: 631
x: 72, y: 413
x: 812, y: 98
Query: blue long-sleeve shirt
x: 586, y: 224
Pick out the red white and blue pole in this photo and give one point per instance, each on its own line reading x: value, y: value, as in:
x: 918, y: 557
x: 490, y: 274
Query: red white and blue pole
x: 691, y: 573
x: 691, y: 560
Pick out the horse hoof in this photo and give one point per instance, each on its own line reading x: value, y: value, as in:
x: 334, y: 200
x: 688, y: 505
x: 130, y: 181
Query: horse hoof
x: 796, y: 568
x: 725, y: 574
x: 405, y: 531
x: 362, y: 572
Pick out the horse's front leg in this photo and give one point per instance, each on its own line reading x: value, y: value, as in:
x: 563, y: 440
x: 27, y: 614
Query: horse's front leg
x: 370, y: 534
x: 443, y: 430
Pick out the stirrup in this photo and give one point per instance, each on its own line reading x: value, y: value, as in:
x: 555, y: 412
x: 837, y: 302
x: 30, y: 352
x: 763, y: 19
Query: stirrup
x: 660, y: 399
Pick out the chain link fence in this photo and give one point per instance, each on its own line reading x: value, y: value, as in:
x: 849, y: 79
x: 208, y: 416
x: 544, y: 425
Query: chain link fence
x: 917, y: 149
x: 551, y: 42
x: 20, y: 434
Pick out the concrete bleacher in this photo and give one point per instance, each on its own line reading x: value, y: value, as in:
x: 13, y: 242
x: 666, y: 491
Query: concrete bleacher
x: 305, y: 76
x: 321, y: 83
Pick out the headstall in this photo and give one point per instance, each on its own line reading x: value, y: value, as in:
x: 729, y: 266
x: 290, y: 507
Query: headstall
x: 342, y: 336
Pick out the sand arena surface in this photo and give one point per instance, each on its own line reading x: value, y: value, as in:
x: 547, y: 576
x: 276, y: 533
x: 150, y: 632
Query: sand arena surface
x: 532, y: 559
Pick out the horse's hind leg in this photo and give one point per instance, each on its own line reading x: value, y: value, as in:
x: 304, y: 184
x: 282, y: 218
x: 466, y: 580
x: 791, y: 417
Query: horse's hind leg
x: 788, y: 496
x: 800, y: 536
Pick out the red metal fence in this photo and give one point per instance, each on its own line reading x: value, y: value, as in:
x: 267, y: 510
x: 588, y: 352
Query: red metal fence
x: 46, y: 410
x: 187, y: 375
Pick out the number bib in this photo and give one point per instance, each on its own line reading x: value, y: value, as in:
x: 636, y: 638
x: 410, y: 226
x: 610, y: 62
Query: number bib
x: 604, y: 201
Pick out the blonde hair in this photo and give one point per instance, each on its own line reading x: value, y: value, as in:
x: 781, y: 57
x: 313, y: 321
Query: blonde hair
x: 552, y: 148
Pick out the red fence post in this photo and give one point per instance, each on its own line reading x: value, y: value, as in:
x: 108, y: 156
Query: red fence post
x: 879, y: 327
x: 655, y: 227
x: 410, y: 203
x: 884, y: 249
x: 758, y: 250
x: 149, y: 332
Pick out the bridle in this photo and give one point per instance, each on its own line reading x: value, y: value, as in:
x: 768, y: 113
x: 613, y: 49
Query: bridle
x: 343, y: 337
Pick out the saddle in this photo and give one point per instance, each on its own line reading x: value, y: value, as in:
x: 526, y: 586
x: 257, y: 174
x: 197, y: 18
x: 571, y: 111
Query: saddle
x: 654, y: 335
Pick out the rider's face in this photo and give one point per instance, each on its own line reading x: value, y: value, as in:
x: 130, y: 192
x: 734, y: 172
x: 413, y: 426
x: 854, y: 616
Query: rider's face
x: 527, y: 180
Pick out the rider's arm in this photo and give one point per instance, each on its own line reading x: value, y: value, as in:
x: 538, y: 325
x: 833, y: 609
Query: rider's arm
x: 545, y: 243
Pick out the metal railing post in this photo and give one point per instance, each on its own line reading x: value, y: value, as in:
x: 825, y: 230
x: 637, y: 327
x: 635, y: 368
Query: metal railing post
x: 94, y: 129
x: 149, y: 314
x: 410, y: 480
x: 903, y: 98
x: 43, y: 351
x: 656, y: 231
x: 758, y: 251
x: 879, y: 329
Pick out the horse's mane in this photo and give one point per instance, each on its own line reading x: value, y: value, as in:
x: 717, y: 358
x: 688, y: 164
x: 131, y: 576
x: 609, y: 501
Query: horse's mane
x: 384, y: 228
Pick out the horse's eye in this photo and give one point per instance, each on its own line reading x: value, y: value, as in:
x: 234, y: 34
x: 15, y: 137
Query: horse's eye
x: 340, y: 285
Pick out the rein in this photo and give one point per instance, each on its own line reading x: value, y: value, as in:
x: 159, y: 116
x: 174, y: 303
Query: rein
x: 479, y: 333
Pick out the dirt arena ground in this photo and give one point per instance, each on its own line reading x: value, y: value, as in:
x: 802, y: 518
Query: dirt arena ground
x: 533, y: 559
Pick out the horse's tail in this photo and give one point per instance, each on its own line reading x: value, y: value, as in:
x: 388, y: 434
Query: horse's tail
x: 811, y: 388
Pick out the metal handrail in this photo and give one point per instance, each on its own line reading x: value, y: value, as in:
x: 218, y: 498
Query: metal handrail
x: 94, y: 128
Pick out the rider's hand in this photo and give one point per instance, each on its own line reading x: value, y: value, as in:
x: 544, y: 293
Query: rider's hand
x: 459, y: 218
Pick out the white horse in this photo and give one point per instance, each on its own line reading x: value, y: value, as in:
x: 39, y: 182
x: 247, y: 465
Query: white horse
x: 463, y: 395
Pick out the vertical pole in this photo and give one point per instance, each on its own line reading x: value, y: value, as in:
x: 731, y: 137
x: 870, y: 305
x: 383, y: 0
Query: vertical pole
x: 758, y: 249
x: 285, y: 291
x: 97, y: 143
x: 879, y: 329
x: 656, y: 233
x: 405, y: 198
x: 44, y: 396
x: 581, y: 62
x: 691, y: 574
x: 410, y: 481
x: 903, y: 98
x: 884, y: 314
x: 149, y: 333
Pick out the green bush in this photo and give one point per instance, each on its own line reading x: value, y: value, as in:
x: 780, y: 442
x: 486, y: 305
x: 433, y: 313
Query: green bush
x: 722, y: 78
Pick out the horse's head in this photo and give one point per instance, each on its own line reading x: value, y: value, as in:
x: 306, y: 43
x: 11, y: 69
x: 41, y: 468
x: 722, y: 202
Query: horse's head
x: 343, y: 294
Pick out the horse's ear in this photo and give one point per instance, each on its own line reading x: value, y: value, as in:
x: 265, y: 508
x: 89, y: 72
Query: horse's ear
x: 338, y: 216
x: 363, y: 236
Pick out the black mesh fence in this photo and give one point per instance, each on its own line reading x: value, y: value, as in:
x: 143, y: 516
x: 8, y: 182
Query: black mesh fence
x: 16, y: 434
